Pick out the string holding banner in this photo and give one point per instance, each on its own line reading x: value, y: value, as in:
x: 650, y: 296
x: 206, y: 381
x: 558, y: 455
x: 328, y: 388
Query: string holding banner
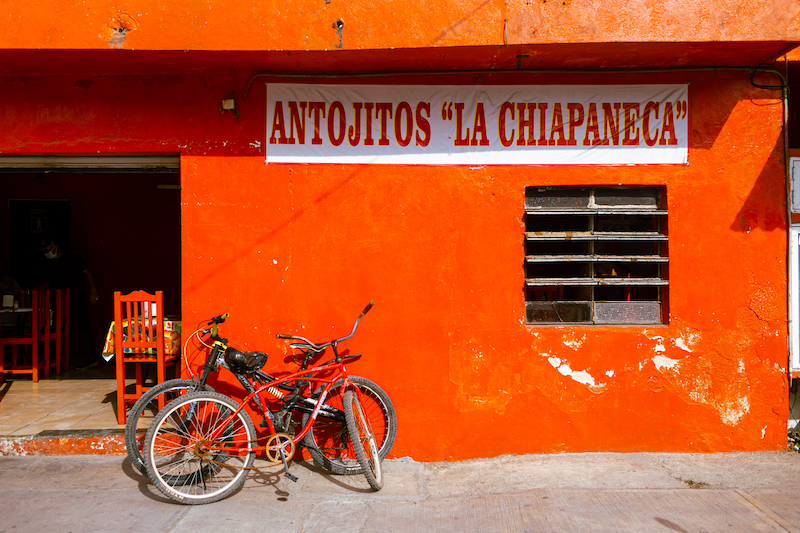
x: 478, y: 125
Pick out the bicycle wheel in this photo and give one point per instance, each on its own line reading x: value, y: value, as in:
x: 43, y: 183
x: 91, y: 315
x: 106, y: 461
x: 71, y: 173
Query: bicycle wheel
x: 195, y: 452
x: 363, y: 440
x: 148, y: 403
x: 328, y: 441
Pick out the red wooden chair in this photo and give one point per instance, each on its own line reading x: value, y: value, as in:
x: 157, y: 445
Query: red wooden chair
x: 59, y: 331
x: 39, y: 332
x: 139, y: 340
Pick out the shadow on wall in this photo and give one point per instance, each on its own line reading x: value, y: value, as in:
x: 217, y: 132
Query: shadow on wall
x: 296, y: 213
x: 794, y: 104
x: 765, y: 205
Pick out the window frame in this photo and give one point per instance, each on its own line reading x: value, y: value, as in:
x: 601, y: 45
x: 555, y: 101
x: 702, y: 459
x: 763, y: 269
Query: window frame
x: 598, y: 207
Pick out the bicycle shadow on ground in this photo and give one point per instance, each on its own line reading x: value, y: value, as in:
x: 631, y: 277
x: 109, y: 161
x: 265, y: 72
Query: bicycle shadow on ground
x: 270, y: 478
x: 353, y: 483
x: 265, y: 475
x: 276, y: 478
x: 145, y: 486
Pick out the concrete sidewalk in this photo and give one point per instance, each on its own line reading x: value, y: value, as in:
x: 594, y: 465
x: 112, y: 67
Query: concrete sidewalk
x: 564, y: 492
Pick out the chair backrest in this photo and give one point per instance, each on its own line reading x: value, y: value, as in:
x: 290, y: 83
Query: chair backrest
x: 139, y: 323
x: 40, y: 323
x: 40, y: 319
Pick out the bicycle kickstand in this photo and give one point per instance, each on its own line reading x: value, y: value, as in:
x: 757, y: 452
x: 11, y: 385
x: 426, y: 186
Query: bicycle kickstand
x: 286, y: 467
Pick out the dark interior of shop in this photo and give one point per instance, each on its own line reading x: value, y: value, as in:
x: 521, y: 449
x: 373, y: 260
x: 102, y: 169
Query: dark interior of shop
x: 126, y: 226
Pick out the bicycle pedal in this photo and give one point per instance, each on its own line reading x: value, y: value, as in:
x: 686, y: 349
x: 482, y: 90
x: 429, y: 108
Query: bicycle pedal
x: 290, y: 476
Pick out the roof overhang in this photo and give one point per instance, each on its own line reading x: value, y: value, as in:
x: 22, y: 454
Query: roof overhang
x: 575, y: 56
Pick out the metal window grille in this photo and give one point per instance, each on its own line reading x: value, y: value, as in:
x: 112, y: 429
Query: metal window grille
x: 596, y: 255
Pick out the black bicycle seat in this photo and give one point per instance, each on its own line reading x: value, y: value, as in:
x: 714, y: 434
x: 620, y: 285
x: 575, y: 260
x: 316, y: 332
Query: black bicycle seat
x: 241, y: 362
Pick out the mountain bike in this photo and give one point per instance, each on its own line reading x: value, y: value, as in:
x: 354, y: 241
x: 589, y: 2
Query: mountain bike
x: 201, y: 445
x: 327, y: 442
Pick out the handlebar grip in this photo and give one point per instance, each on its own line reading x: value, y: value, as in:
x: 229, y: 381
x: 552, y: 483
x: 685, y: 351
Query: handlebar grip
x: 367, y: 308
x: 219, y: 319
x: 282, y: 336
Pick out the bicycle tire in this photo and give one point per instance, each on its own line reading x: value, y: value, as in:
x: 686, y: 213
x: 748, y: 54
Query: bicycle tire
x: 328, y: 441
x: 363, y: 440
x: 174, y: 448
x: 172, y: 389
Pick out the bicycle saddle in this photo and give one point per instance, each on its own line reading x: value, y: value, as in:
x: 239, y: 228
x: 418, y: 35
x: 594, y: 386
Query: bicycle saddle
x: 241, y: 362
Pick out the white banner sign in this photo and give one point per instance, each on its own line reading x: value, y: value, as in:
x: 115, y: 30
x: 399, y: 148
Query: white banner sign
x: 478, y: 125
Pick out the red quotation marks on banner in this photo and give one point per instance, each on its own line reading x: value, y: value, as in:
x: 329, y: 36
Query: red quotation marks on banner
x: 681, y: 109
x: 626, y: 123
x: 479, y: 135
x: 331, y: 119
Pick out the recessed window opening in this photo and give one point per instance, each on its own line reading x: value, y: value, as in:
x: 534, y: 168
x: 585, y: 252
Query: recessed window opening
x: 596, y: 255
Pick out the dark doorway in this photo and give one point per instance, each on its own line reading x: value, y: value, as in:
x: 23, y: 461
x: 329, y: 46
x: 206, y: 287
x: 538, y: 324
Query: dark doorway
x: 126, y: 226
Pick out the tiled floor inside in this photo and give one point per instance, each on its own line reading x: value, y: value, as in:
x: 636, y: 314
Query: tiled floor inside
x: 70, y: 401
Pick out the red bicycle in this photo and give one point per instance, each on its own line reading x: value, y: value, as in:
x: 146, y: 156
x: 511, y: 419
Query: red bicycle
x: 201, y: 445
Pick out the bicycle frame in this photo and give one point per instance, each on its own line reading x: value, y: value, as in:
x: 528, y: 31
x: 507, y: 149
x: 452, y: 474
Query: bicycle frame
x: 303, y: 378
x: 308, y: 376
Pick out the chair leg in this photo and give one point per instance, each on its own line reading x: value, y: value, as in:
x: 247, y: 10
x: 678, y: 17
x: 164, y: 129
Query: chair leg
x: 35, y: 360
x: 46, y: 358
x: 121, y: 412
x: 2, y: 363
x: 58, y: 353
x: 65, y: 347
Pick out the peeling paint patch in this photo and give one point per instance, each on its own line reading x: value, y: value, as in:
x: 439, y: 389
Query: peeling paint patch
x: 662, y: 362
x: 581, y: 376
x: 681, y: 343
x: 584, y: 377
x: 118, y: 38
x: 478, y: 386
x: 101, y: 443
x: 735, y: 410
x: 119, y: 28
x: 731, y: 409
x: 575, y: 344
x: 339, y: 27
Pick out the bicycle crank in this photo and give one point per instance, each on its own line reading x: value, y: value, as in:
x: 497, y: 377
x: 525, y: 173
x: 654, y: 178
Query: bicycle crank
x: 280, y: 447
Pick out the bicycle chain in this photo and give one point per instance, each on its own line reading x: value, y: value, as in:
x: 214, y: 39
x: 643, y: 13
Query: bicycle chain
x: 202, y: 456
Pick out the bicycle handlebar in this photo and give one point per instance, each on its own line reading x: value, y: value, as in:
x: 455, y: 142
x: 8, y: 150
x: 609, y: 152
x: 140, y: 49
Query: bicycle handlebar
x: 320, y: 347
x: 217, y: 320
x: 366, y: 309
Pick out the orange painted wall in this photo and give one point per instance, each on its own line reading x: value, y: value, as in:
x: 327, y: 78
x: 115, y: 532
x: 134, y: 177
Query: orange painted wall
x: 311, y: 25
x: 302, y: 248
